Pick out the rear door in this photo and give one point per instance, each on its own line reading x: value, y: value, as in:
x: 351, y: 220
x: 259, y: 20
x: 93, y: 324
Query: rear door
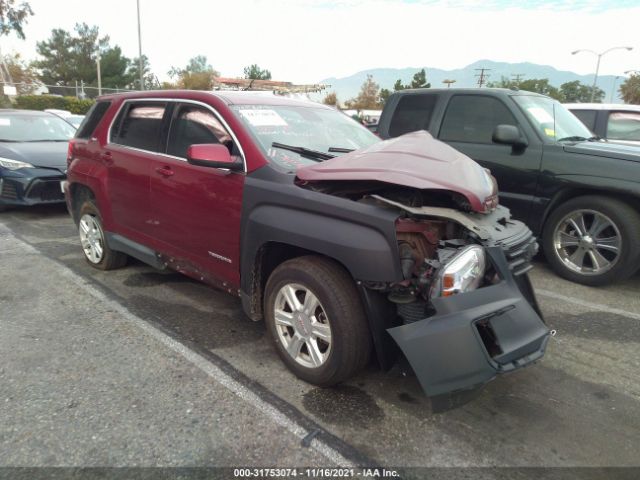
x: 196, y: 210
x: 134, y: 145
x: 468, y: 124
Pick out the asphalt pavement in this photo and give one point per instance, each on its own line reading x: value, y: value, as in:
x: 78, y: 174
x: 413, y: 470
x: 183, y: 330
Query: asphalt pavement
x: 136, y: 367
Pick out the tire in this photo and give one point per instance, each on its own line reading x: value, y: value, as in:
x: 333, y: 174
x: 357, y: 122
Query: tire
x: 92, y: 235
x: 339, y: 307
x: 616, y: 243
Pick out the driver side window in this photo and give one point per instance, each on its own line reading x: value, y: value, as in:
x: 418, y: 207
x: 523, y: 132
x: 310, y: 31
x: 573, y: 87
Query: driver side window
x: 193, y: 124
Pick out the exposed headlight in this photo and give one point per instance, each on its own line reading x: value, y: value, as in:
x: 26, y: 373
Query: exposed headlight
x: 13, y: 164
x: 463, y: 273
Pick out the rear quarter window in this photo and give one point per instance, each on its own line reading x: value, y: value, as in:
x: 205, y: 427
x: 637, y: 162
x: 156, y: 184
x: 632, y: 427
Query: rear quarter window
x: 588, y: 117
x: 91, y: 121
x: 412, y: 113
x: 624, y: 126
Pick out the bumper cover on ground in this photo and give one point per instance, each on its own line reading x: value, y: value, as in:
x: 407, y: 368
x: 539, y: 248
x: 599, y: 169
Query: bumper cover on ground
x: 474, y: 336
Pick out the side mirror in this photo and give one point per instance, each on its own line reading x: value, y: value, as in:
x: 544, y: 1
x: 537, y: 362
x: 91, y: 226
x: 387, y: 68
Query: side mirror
x: 213, y: 155
x: 509, y: 135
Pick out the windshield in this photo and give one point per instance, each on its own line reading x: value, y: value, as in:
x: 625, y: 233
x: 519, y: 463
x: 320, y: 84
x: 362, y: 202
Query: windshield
x: 551, y: 119
x: 34, y: 128
x: 310, y: 127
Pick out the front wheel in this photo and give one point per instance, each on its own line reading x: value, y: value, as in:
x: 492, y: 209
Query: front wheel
x: 316, y: 320
x: 593, y: 240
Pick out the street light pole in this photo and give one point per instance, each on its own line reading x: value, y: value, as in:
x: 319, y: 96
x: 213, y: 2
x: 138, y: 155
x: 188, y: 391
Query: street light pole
x: 599, y: 55
x: 140, y: 49
x: 99, y: 75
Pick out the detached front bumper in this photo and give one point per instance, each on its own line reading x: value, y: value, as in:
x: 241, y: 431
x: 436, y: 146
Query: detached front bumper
x: 474, y: 336
x: 32, y: 186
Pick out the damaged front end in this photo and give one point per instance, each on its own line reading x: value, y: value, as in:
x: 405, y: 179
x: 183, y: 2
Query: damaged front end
x: 464, y: 310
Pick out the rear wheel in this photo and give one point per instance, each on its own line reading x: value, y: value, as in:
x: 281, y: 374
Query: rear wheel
x: 316, y: 320
x: 92, y: 238
x: 593, y: 240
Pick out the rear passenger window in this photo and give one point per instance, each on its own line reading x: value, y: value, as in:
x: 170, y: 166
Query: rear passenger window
x: 624, y: 126
x: 138, y: 125
x: 191, y: 125
x: 588, y: 117
x: 473, y: 118
x: 412, y: 113
x: 92, y: 119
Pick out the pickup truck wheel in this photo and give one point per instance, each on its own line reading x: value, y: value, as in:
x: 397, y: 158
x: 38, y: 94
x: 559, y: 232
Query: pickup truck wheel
x: 316, y: 320
x: 95, y: 248
x: 593, y: 240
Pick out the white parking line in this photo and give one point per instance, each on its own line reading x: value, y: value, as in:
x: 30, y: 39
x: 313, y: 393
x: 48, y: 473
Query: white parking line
x: 589, y: 305
x: 196, y: 359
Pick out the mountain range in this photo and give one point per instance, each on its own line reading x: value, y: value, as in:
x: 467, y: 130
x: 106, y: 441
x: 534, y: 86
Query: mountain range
x: 348, y: 87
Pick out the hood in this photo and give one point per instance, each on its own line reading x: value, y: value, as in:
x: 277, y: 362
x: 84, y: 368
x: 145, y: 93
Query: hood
x: 38, y: 154
x: 606, y: 149
x: 414, y: 160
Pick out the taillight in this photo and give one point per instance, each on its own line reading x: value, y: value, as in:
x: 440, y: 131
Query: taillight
x: 70, y: 151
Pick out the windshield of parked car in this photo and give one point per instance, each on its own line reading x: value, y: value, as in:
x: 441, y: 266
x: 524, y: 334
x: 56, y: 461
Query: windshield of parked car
x: 552, y: 119
x: 34, y: 128
x: 313, y: 128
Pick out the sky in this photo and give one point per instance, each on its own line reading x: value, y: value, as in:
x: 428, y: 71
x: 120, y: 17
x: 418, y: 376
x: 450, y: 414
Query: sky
x: 305, y: 41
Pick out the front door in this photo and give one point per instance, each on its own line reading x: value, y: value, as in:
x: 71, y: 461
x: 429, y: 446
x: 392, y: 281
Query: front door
x: 196, y: 210
x: 468, y: 125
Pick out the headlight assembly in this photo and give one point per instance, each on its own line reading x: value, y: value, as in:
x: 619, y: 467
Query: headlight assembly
x: 462, y: 273
x: 13, y: 164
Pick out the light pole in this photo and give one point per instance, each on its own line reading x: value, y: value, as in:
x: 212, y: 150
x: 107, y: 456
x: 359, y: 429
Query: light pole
x: 599, y: 55
x: 99, y: 75
x: 613, y: 89
x: 140, y: 49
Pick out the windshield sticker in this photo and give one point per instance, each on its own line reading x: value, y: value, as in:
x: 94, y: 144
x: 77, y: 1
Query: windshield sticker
x: 5, y: 122
x: 540, y: 114
x: 550, y: 132
x: 263, y: 118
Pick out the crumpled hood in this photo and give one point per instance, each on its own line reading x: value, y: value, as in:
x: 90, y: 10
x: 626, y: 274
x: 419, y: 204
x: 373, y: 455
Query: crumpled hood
x: 605, y: 149
x: 413, y: 160
x: 38, y: 154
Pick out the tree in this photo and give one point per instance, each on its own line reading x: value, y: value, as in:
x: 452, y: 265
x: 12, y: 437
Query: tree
x: 331, y: 99
x: 69, y: 57
x: 419, y: 80
x: 254, y: 72
x: 148, y: 77
x: 630, y: 89
x: 536, y: 85
x: 13, y: 17
x: 368, y: 98
x: 576, y: 92
x: 197, y: 75
x: 23, y: 75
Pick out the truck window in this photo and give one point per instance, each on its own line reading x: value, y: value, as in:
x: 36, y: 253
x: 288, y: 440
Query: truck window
x: 138, y: 126
x: 473, y: 118
x: 90, y: 122
x: 412, y: 113
x: 624, y: 126
x: 193, y: 124
x: 588, y: 117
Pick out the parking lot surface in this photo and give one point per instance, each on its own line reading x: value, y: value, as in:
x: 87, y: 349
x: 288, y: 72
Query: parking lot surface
x: 139, y: 367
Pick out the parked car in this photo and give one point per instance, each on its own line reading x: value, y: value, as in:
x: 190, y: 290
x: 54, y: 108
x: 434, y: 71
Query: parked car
x: 580, y: 195
x: 33, y: 152
x: 612, y: 121
x: 343, y: 243
x: 74, y: 119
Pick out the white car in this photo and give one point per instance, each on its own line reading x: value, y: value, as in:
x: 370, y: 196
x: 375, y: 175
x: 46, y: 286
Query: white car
x: 614, y: 122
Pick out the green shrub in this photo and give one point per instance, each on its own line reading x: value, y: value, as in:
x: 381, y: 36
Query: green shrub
x: 42, y: 102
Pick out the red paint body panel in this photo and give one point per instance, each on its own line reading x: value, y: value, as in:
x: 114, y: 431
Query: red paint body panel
x: 414, y: 160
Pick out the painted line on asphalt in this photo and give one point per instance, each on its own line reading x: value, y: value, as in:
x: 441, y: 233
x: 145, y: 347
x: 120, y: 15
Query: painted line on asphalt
x: 199, y: 361
x: 589, y: 305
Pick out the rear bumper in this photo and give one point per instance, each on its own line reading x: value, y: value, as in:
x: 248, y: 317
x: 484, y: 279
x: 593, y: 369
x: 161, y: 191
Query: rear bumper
x: 474, y: 336
x: 30, y: 187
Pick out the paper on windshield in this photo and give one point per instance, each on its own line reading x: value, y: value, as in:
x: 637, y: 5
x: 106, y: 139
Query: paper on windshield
x: 5, y: 122
x: 263, y: 118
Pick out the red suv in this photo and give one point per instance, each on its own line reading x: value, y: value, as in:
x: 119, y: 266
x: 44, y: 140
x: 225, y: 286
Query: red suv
x: 346, y: 245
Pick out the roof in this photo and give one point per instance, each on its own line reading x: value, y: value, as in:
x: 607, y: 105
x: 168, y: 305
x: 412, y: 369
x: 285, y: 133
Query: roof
x: 476, y: 90
x: 230, y: 97
x: 602, y: 106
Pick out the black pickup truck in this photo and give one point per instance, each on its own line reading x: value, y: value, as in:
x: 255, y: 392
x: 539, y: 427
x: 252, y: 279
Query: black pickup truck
x: 580, y: 194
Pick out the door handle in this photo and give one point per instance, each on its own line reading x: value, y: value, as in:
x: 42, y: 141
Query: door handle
x: 165, y: 171
x: 107, y: 158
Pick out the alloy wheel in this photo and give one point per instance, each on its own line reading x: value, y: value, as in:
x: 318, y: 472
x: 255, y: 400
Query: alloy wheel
x: 91, y: 238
